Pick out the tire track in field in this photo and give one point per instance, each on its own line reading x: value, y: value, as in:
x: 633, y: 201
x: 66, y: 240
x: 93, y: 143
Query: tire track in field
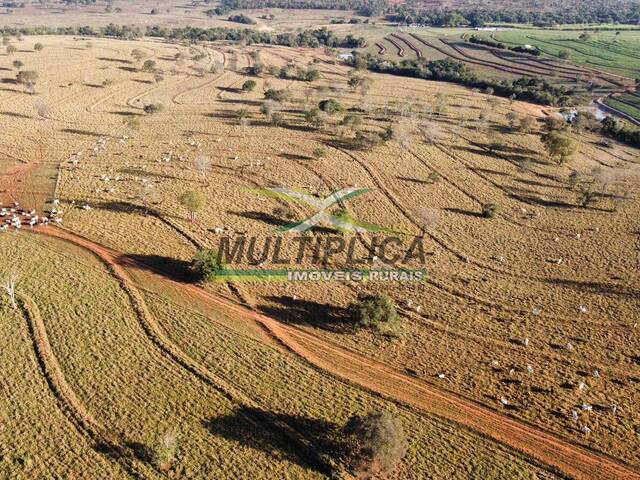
x: 175, y: 98
x: 382, y: 379
x: 466, y: 259
x: 130, y: 101
x: 155, y: 333
x: 473, y: 197
x: 73, y: 408
x: 378, y: 377
x: 343, y: 363
x: 502, y: 306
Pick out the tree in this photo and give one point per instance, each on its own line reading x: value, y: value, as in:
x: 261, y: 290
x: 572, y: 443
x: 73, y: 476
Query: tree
x: 249, y: 86
x: 526, y: 124
x: 138, y: 54
x: 152, y: 108
x: 164, y: 451
x: 330, y: 106
x: 512, y: 118
x: 352, y: 121
x: 28, y: 78
x: 318, y: 152
x: 205, y: 265
x: 38, y: 47
x: 9, y: 283
x: 489, y: 210
x: 11, y: 49
x: 193, y: 201
x: 276, y: 95
x: 586, y: 121
x: 270, y: 108
x: 373, y: 311
x: 375, y: 444
x: 43, y: 109
x: 431, y: 132
x: 132, y: 122
x: 242, y: 114
x: 18, y: 64
x: 148, y: 66
x: 202, y: 164
x: 559, y: 146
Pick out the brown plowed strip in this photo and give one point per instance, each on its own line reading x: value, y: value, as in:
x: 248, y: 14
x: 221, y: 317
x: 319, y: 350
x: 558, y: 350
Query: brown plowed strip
x: 397, y: 45
x: 408, y: 44
x: 375, y: 376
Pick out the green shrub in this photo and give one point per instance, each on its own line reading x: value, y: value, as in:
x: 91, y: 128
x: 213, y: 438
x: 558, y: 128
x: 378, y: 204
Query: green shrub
x: 152, y: 108
x: 284, y: 212
x: 375, y: 444
x: 206, y: 265
x: 374, y: 311
x: 249, y: 86
x: 330, y: 106
x: 489, y: 210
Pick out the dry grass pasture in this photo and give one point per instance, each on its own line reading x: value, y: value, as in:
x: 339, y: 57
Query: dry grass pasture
x: 537, y: 305
x: 96, y: 391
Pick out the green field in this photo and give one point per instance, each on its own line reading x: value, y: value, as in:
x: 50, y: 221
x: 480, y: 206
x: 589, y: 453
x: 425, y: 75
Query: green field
x: 608, y: 51
x: 623, y: 107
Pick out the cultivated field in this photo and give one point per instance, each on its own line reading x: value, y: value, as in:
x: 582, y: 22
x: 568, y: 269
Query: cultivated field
x: 532, y: 313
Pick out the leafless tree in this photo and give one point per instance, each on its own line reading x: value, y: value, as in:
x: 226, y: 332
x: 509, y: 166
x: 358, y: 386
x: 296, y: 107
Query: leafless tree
x: 9, y: 283
x: 431, y: 132
x: 202, y: 164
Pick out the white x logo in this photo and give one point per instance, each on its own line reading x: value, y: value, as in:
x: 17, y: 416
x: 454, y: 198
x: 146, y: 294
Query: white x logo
x: 322, y: 205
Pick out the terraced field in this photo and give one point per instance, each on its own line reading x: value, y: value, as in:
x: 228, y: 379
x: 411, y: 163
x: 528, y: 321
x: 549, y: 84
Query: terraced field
x: 521, y: 313
x: 607, y: 50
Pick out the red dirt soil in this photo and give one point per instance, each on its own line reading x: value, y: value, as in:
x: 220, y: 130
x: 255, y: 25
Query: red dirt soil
x: 547, y: 448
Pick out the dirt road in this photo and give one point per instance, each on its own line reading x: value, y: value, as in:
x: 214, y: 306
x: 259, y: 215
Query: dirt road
x: 547, y: 448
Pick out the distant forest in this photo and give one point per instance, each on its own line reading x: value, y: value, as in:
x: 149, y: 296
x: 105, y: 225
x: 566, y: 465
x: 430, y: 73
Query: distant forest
x: 541, y: 13
x: 320, y: 37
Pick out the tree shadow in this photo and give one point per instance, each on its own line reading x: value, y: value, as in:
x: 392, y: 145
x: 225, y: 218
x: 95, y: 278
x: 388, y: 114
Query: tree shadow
x: 82, y: 132
x: 125, y: 207
x: 230, y: 89
x: 16, y: 115
x: 261, y: 217
x: 115, y: 60
x: 273, y: 438
x: 225, y: 115
x: 468, y: 213
x: 173, y: 268
x: 295, y: 156
x: 595, y: 287
x: 288, y: 126
x: 125, y: 113
x: 253, y: 103
x: 307, y: 312
x: 414, y: 180
x: 145, y: 173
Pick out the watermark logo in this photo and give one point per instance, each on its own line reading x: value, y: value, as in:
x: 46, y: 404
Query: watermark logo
x: 342, y: 223
x: 378, y: 257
